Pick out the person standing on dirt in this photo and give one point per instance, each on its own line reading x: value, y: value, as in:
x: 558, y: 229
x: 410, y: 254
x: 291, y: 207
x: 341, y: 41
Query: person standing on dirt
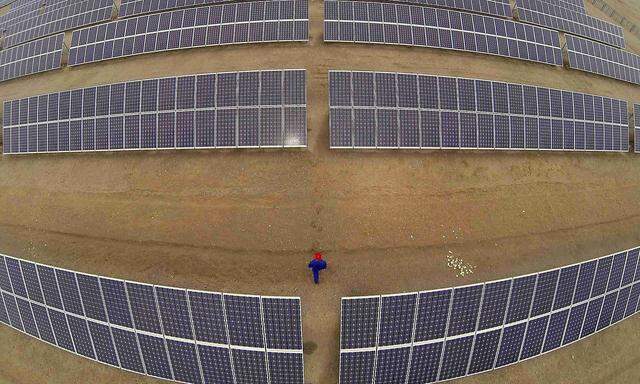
x: 317, y: 265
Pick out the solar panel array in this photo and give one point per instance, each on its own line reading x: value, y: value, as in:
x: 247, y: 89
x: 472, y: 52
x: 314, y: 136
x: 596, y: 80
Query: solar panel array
x: 251, y: 22
x: 224, y: 110
x: 400, y: 24
x: 577, y: 23
x: 590, y: 56
x: 404, y: 110
x: 429, y: 336
x: 572, y: 5
x: 56, y: 18
x: 171, y: 333
x: 33, y: 57
x: 636, y: 138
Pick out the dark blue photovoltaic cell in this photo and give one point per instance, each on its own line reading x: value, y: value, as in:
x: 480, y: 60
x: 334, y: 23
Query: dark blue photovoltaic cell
x: 5, y: 282
x: 12, y: 311
x: 455, y: 358
x: 359, y: 322
x: 630, y: 266
x: 155, y: 356
x: 143, y: 307
x: 510, y: 344
x: 555, y: 333
x: 433, y: 312
x: 42, y: 321
x: 174, y: 312
x: 566, y: 286
x: 357, y: 368
x: 602, y: 276
x: 15, y: 275
x: 208, y: 317
x: 91, y: 297
x: 249, y: 366
x: 633, y: 303
x: 282, y: 323
x: 391, y: 365
x: 244, y: 320
x: 396, y: 321
x: 103, y: 343
x: 534, y: 337
x: 29, y: 323
x: 574, y: 324
x: 425, y: 361
x: 545, y: 289
x: 81, y: 337
x: 128, y: 350
x: 521, y: 296
x: 621, y: 305
x: 484, y: 351
x: 494, y: 304
x: 617, y: 269
x: 69, y: 291
x: 464, y: 310
x: 115, y: 297
x: 591, y: 318
x: 31, y: 281
x: 286, y: 368
x: 216, y: 364
x: 585, y: 281
x: 61, y: 330
x: 608, y: 306
x: 184, y: 361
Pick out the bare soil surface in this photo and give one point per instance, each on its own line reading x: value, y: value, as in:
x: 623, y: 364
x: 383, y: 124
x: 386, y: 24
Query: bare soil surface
x: 247, y: 221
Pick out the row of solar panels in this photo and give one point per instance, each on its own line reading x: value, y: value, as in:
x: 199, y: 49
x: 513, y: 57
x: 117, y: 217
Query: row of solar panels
x: 404, y: 110
x: 558, y: 18
x: 234, y: 109
x: 369, y: 22
x: 57, y: 19
x: 431, y: 336
x: 589, y: 56
x: 284, y: 20
x: 251, y: 22
x: 21, y: 27
x: 171, y: 333
x: 492, y: 7
x: 33, y: 57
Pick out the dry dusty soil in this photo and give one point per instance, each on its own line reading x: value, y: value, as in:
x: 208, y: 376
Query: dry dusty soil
x: 247, y: 221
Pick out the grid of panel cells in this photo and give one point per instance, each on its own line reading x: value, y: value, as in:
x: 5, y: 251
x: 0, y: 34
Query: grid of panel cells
x: 636, y: 137
x: 590, y: 56
x: 412, y: 25
x: 259, y: 109
x: 57, y: 18
x: 431, y: 336
x: 572, y: 5
x: 32, y: 57
x: 243, y: 23
x: 404, y: 110
x: 562, y: 19
x: 166, y: 332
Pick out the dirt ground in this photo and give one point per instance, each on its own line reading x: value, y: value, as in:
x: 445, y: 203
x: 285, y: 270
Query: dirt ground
x: 247, y: 221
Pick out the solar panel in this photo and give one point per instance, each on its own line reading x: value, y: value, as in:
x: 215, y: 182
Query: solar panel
x: 591, y: 56
x: 169, y: 113
x: 576, y: 22
x: 448, y: 333
x: 398, y: 110
x: 33, y: 57
x: 158, y: 331
x: 418, y: 25
x: 636, y: 136
x: 172, y: 30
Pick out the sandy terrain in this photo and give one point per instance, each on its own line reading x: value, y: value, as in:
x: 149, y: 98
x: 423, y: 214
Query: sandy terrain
x: 247, y: 221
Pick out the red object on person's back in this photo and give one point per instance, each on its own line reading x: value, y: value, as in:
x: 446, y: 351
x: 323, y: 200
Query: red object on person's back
x: 318, y: 256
